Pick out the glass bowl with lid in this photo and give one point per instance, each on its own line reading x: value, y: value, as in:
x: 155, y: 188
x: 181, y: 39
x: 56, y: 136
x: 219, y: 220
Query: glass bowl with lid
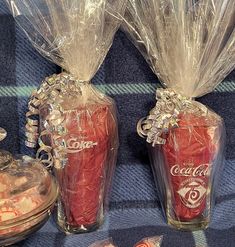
x: 27, y: 196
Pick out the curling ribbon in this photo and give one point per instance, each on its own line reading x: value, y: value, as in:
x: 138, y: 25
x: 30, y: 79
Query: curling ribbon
x: 164, y: 116
x: 50, y: 92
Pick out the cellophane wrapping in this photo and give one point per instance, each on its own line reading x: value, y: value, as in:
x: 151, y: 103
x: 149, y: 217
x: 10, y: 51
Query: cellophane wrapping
x: 154, y: 241
x: 77, y: 126
x: 190, y: 46
x: 104, y: 243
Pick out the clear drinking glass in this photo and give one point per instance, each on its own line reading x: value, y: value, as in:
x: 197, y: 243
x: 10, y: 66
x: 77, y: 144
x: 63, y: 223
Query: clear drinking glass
x: 187, y: 168
x: 83, y: 134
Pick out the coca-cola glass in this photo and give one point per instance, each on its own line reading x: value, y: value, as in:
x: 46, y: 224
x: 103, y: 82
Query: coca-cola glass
x: 82, y: 134
x: 179, y: 41
x: 187, y: 168
x: 77, y: 130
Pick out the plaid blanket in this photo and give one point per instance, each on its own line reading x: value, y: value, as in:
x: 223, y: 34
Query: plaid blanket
x: 134, y: 209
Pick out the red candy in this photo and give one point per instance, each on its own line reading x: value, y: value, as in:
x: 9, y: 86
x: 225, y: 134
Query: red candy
x: 150, y: 242
x: 144, y: 244
x: 82, y: 180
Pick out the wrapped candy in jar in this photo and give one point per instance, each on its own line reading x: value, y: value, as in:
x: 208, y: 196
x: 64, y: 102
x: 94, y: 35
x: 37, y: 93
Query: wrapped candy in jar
x: 27, y: 196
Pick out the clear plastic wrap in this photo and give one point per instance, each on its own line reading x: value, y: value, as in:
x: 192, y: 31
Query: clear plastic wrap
x: 104, y: 243
x: 77, y: 124
x: 190, y: 46
x: 150, y: 242
x: 146, y: 242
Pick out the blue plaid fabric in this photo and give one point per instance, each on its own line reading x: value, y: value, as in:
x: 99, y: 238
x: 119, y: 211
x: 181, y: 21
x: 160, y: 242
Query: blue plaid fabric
x: 134, y: 209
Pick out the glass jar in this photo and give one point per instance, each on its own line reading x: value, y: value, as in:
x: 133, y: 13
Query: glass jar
x: 27, y: 196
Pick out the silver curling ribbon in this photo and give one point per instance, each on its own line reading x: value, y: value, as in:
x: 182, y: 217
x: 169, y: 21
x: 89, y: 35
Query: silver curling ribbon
x: 164, y: 116
x: 51, y: 91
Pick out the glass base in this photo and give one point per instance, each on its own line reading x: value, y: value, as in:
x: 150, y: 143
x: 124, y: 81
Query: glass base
x: 67, y: 228
x: 194, y: 225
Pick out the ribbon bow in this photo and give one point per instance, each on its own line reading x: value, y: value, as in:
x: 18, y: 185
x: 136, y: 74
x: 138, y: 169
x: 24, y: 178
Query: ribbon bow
x: 164, y: 116
x: 52, y: 90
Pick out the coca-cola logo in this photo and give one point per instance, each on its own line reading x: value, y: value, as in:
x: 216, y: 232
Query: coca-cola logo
x: 192, y: 192
x: 75, y: 145
x: 190, y: 170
